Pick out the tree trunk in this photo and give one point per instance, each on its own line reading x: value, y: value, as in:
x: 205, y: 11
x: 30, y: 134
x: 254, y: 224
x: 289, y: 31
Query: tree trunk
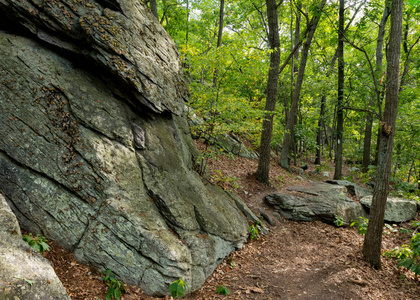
x: 284, y: 160
x: 379, y: 56
x: 373, y: 239
x: 219, y: 38
x: 153, y: 8
x: 321, y: 122
x: 366, y: 143
x: 340, y: 113
x: 270, y: 104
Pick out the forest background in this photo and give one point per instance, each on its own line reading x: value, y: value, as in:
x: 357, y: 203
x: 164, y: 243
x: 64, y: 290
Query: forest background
x: 225, y: 50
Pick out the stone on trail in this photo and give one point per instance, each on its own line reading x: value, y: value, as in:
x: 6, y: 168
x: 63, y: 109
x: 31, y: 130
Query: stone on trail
x: 24, y: 273
x: 316, y: 201
x: 352, y: 188
x: 95, y: 151
x: 396, y: 209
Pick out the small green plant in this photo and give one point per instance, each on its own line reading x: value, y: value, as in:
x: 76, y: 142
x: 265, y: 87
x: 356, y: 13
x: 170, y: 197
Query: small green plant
x: 390, y: 228
x: 30, y: 282
x: 39, y: 243
x: 361, y: 224
x: 255, y: 229
x: 338, y: 221
x: 407, y: 256
x: 225, y: 181
x: 177, y: 288
x: 231, y: 262
x: 405, y: 230
x: 115, y: 286
x: 222, y: 290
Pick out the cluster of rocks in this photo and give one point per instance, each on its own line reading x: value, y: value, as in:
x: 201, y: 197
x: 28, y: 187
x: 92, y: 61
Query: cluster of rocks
x: 325, y: 201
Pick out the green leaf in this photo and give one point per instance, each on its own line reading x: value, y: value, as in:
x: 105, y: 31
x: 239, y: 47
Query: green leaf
x: 177, y: 288
x: 222, y: 290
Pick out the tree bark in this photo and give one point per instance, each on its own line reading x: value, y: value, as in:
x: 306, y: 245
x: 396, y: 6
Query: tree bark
x: 262, y: 174
x: 340, y: 112
x: 321, y: 122
x: 379, y: 56
x: 373, y: 239
x: 219, y: 37
x: 284, y: 160
x: 153, y: 8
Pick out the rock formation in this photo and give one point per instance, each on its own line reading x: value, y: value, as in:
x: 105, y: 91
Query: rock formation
x: 316, y: 201
x: 25, y: 274
x: 95, y: 152
x: 396, y: 209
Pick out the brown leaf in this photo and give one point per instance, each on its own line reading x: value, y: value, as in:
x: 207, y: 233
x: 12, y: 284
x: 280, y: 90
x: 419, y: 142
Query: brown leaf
x: 257, y: 290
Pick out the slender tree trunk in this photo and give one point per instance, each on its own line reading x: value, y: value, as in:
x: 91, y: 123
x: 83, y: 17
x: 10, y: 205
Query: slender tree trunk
x: 153, y: 8
x: 188, y: 23
x: 284, y: 160
x: 340, y: 112
x: 219, y: 37
x: 270, y: 104
x: 321, y: 122
x: 373, y: 240
x: 418, y: 180
x: 379, y: 57
x: 409, y: 172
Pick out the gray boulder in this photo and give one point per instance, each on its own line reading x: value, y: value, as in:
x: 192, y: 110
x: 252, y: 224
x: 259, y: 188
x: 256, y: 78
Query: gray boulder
x: 95, y: 152
x: 25, y: 274
x: 396, y: 209
x: 316, y: 201
x: 352, y: 188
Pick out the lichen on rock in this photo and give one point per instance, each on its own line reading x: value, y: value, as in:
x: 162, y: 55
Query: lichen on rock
x: 99, y: 164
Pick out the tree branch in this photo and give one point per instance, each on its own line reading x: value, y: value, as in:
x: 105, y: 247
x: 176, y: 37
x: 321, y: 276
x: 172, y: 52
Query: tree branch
x: 363, y: 110
x: 262, y: 18
x: 405, y: 72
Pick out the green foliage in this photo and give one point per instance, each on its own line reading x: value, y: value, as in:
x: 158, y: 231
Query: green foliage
x: 236, y: 103
x: 39, y: 243
x: 30, y: 282
x: 115, y: 286
x: 231, y: 262
x: 255, y: 229
x: 338, y: 221
x: 390, y: 228
x: 222, y: 290
x: 361, y: 225
x: 177, y: 288
x: 407, y: 256
x: 225, y: 181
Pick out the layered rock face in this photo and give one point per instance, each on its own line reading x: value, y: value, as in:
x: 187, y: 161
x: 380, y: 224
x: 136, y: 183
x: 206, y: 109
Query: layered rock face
x: 95, y: 153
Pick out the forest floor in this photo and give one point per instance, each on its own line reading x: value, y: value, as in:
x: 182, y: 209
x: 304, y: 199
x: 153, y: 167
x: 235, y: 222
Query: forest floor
x: 295, y: 260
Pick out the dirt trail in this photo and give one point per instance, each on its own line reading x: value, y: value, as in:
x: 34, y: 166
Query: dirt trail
x: 295, y: 260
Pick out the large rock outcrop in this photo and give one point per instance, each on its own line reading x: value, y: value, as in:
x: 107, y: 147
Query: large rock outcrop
x: 94, y: 150
x: 25, y: 274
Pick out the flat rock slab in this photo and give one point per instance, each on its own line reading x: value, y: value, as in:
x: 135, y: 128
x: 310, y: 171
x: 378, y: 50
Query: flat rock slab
x: 396, y: 209
x: 317, y: 201
x: 352, y: 188
x: 25, y: 274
